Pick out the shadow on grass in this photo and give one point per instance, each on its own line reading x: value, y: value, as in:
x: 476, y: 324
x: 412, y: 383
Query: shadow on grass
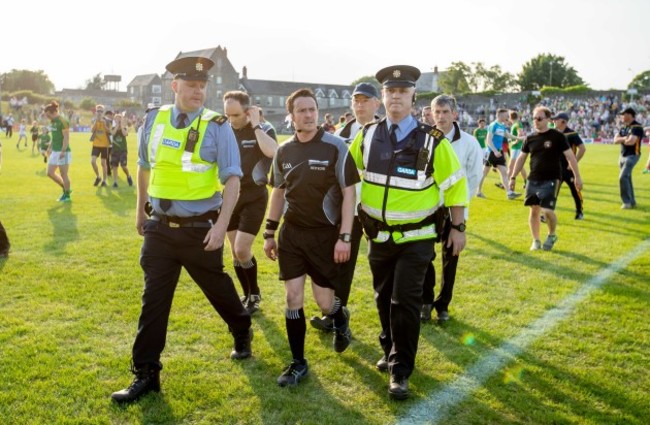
x: 119, y: 200
x: 153, y: 409
x: 64, y: 226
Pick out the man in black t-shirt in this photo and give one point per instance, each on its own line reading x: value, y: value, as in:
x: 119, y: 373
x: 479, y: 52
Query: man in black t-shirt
x: 579, y: 149
x: 546, y: 146
x: 314, y: 174
x: 257, y: 145
x: 629, y: 138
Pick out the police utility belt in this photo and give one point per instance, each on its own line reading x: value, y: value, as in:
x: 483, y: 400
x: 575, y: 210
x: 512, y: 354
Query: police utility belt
x: 372, y: 226
x: 205, y: 220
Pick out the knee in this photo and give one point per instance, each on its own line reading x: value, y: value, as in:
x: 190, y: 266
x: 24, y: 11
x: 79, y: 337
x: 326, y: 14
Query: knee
x: 242, y: 254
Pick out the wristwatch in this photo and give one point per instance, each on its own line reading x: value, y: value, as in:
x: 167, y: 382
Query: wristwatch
x: 345, y: 237
x: 268, y: 235
x: 460, y: 227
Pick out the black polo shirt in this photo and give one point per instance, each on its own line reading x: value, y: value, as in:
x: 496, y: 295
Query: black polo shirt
x: 574, y: 141
x: 636, y: 129
x: 545, y: 151
x: 254, y: 164
x: 313, y: 175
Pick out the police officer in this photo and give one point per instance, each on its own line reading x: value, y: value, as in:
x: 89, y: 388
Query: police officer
x: 315, y: 175
x: 186, y: 153
x: 257, y: 145
x: 365, y: 103
x: 405, y: 167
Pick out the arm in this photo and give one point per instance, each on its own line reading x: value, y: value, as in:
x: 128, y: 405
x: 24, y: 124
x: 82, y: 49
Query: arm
x: 214, y: 239
x: 66, y: 141
x: 342, y: 249
x: 275, y: 213
x: 267, y: 144
x: 142, y: 198
x: 456, y: 238
x: 630, y: 140
x: 521, y: 160
x: 490, y: 145
x: 581, y: 152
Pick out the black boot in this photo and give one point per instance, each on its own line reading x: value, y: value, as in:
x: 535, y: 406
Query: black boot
x: 242, y: 348
x: 147, y: 379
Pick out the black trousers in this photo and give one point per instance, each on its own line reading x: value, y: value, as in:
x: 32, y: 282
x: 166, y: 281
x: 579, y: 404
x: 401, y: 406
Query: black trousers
x: 4, y: 240
x: 569, y: 179
x: 398, y: 274
x: 344, y: 284
x: 164, y: 251
x: 448, y: 276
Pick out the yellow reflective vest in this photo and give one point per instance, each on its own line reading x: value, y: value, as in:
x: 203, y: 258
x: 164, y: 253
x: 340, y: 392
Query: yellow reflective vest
x: 401, y: 188
x: 177, y: 170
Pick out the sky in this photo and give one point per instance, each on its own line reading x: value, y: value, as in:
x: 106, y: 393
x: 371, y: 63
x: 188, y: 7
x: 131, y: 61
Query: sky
x: 334, y: 42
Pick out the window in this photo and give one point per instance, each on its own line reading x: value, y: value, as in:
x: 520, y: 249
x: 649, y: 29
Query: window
x: 219, y: 79
x: 269, y: 101
x: 156, y: 89
x: 155, y: 101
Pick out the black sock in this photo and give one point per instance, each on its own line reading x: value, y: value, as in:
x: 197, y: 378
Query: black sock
x: 296, y: 329
x: 250, y: 270
x: 336, y: 313
x: 241, y: 275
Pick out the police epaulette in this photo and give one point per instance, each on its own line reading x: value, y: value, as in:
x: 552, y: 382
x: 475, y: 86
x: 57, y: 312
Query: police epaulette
x: 219, y: 119
x: 151, y: 109
x: 433, y: 132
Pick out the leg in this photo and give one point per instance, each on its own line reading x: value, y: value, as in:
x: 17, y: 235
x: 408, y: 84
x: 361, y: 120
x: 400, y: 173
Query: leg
x: 344, y: 285
x: 63, y: 169
x: 551, y: 220
x: 93, y: 162
x: 533, y: 221
x: 51, y: 173
x: 449, y: 266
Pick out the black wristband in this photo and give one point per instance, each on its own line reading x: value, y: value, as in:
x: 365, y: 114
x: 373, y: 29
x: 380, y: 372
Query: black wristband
x: 271, y: 224
x: 268, y: 235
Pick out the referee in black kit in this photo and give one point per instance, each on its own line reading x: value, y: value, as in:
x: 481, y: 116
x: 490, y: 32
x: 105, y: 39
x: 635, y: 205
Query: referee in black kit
x: 186, y: 152
x: 314, y: 173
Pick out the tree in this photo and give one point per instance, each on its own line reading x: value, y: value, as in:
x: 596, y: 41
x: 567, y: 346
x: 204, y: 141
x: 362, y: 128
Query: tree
x: 455, y: 79
x: 22, y: 79
x: 547, y: 69
x: 491, y: 79
x: 95, y: 83
x: 641, y: 81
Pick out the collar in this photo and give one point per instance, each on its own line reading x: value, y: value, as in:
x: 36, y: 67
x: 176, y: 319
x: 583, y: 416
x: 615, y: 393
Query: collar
x: 454, y: 133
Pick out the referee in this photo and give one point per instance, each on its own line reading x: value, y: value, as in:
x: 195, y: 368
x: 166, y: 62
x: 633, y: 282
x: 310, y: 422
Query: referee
x: 314, y: 175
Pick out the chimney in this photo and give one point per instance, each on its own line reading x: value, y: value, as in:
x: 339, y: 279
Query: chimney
x: 244, y: 72
x: 435, y: 69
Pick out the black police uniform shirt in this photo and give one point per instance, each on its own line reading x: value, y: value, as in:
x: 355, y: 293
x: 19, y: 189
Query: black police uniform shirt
x: 313, y: 174
x: 545, y: 151
x: 637, y: 130
x: 255, y: 165
x: 574, y: 141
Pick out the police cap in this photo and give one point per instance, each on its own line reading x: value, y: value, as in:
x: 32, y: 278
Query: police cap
x: 398, y: 76
x: 194, y: 68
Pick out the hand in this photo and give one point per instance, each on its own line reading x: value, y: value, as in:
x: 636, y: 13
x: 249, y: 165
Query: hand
x: 253, y: 113
x: 497, y: 154
x: 456, y: 240
x: 214, y: 239
x: 341, y: 251
x: 61, y: 154
x: 578, y: 183
x: 271, y: 249
x: 140, y: 218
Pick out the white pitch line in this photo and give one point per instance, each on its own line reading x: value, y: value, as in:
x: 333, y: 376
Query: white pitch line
x: 436, y: 407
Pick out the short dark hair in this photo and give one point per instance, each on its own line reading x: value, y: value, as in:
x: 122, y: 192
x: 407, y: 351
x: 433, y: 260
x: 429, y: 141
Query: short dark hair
x: 514, y: 115
x: 299, y: 93
x: 242, y: 97
x: 501, y: 111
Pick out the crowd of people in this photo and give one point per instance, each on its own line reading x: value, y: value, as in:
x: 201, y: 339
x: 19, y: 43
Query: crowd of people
x: 405, y: 181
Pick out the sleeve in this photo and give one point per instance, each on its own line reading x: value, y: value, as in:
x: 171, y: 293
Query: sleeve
x: 577, y: 140
x: 525, y: 148
x: 449, y: 175
x: 277, y: 178
x: 490, y: 129
x: 143, y: 140
x: 637, y: 130
x: 563, y: 143
x: 474, y: 168
x: 346, y: 169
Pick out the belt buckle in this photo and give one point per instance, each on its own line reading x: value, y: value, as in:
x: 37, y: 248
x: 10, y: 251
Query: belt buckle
x: 174, y: 225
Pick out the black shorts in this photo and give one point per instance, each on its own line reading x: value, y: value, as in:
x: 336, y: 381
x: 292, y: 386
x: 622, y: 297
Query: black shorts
x: 542, y: 193
x: 99, y: 152
x: 248, y: 214
x: 34, y: 137
x: 308, y: 251
x: 118, y: 158
x: 493, y: 161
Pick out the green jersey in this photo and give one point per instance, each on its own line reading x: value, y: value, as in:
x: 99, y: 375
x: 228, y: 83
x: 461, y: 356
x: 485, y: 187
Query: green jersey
x: 44, y: 141
x: 119, y: 142
x: 57, y: 126
x: 481, y: 134
x: 517, y: 130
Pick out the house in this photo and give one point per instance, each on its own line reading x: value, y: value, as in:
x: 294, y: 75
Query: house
x: 146, y: 89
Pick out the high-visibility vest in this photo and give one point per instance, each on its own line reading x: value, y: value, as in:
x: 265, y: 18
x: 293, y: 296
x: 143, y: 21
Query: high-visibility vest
x: 396, y: 191
x: 176, y: 172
